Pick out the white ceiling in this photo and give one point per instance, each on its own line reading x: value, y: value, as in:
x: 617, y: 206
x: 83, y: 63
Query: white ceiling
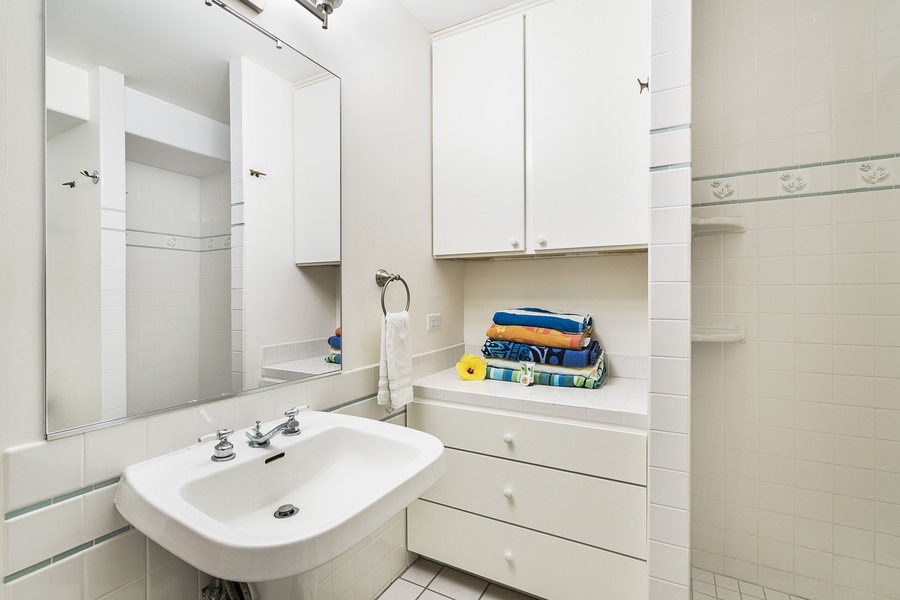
x: 441, y: 14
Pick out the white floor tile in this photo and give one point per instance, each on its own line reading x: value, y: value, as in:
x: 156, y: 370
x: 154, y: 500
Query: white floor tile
x: 421, y: 572
x: 457, y: 585
x: 429, y: 595
x: 402, y: 590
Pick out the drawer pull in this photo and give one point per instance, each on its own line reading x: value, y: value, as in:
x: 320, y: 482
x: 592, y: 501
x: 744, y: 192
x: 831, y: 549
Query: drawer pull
x: 508, y: 438
x: 508, y: 492
x: 507, y: 556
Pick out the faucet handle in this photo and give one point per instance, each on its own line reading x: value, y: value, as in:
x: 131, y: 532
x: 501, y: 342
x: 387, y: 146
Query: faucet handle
x: 293, y: 412
x: 224, y: 450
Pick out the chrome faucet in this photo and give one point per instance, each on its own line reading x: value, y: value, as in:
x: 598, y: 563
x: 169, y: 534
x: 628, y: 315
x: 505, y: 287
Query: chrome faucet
x: 258, y: 439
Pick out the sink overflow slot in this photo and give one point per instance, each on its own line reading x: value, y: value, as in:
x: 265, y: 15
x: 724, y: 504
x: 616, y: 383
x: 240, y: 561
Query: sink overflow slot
x: 286, y: 510
x: 276, y: 457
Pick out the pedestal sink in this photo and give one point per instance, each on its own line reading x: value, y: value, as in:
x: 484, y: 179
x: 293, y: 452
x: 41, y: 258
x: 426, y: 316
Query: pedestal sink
x: 344, y: 475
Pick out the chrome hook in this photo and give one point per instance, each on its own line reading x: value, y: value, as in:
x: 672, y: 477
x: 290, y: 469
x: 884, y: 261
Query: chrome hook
x: 93, y: 176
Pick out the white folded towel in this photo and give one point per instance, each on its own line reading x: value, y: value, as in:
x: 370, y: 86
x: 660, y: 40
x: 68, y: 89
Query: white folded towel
x: 395, y: 372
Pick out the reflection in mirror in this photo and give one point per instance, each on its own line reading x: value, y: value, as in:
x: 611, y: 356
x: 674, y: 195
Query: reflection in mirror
x: 193, y: 209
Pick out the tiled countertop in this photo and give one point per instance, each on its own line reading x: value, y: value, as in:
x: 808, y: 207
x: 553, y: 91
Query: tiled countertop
x: 620, y: 402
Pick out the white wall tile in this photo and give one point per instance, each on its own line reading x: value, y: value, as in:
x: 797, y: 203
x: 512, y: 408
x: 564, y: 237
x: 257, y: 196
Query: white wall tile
x: 669, y: 563
x: 670, y: 32
x: 42, y: 534
x: 171, y: 431
x: 670, y: 301
x: 60, y: 580
x: 100, y: 514
x: 108, y: 451
x: 670, y: 148
x: 41, y: 471
x: 137, y: 590
x: 115, y: 562
x: 670, y: 188
x: 669, y: 71
x: 670, y: 108
x: 670, y: 225
x: 669, y: 451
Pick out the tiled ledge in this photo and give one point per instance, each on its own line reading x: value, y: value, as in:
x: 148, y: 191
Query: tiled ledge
x: 621, y: 401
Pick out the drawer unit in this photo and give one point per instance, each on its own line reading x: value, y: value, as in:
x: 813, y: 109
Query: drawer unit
x: 556, y: 508
x: 606, y: 452
x: 599, y: 512
x: 537, y: 563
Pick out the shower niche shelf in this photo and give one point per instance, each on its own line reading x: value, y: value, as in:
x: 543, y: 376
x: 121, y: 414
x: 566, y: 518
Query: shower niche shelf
x: 716, y: 225
x: 718, y: 333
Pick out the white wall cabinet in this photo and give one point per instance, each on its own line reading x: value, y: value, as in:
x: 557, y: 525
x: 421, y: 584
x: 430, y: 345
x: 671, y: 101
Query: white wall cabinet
x: 553, y: 520
x: 541, y: 137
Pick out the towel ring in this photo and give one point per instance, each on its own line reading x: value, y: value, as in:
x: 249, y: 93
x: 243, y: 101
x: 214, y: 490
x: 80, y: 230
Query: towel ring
x: 383, y: 278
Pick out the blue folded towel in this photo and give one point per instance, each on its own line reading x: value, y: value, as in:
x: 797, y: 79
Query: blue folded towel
x: 538, y: 317
x: 335, y: 342
x: 578, y: 359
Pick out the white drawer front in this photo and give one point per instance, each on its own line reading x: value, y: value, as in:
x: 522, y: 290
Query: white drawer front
x: 533, y: 562
x: 602, y: 513
x: 604, y: 452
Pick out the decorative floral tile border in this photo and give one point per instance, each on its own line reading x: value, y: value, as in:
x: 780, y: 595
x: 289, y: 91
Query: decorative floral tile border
x: 836, y: 177
x: 171, y: 241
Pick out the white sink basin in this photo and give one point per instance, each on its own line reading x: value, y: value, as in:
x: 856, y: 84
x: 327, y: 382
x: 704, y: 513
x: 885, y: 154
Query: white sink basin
x: 346, y: 475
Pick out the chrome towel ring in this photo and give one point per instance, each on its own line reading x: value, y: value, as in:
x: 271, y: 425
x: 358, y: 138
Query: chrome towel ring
x: 383, y: 278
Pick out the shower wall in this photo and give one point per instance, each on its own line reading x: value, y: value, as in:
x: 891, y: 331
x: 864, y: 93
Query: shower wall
x: 796, y: 432
x: 178, y: 278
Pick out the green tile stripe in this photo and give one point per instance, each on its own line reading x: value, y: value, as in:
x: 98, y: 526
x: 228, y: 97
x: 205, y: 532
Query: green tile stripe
x: 175, y: 249
x: 795, y: 167
x: 180, y: 235
x: 792, y: 196
x: 63, y: 555
x: 685, y: 165
x: 57, y: 499
x: 670, y: 129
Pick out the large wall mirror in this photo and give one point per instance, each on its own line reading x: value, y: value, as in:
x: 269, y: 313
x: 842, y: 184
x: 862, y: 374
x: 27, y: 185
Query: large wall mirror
x: 192, y: 208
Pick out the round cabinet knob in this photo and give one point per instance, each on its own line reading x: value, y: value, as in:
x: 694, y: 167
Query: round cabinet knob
x: 508, y: 492
x: 513, y: 242
x: 541, y: 240
x: 508, y: 438
x: 507, y: 556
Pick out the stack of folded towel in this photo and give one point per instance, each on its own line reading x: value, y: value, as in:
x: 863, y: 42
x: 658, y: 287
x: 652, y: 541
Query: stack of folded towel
x: 334, y: 346
x: 559, y: 344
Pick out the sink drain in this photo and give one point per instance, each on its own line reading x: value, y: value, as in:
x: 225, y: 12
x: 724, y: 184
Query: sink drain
x: 286, y: 510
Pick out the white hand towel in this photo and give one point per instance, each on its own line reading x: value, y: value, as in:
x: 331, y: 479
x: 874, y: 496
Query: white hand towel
x: 395, y: 372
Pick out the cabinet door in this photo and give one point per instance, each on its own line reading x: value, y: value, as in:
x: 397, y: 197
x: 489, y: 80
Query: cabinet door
x: 588, y: 126
x: 479, y: 140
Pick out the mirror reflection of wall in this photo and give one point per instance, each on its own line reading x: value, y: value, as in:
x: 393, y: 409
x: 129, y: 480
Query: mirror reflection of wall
x: 174, y: 275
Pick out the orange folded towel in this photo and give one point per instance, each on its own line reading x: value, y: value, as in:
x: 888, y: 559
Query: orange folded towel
x: 539, y: 336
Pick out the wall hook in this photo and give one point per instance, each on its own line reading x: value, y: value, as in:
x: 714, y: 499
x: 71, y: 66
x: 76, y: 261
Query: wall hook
x: 71, y: 184
x: 94, y: 176
x: 645, y: 85
x: 256, y: 173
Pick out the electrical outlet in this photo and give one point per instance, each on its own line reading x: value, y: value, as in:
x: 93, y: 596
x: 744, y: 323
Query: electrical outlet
x: 434, y: 321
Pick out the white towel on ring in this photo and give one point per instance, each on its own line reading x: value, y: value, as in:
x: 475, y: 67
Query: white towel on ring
x: 395, y: 372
